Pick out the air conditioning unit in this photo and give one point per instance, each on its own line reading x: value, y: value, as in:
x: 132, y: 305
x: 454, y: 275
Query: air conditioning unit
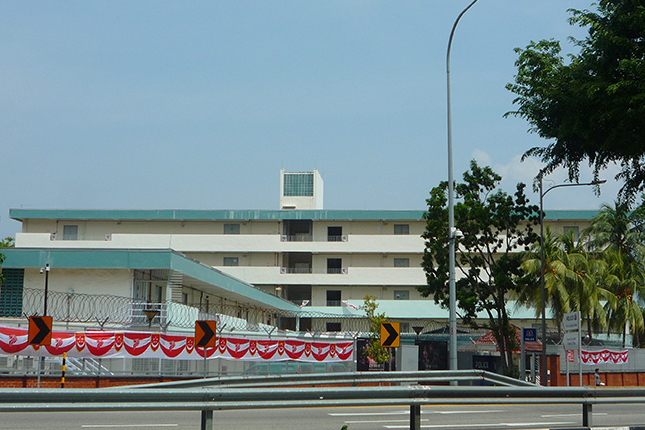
x: 283, y: 270
x: 343, y: 271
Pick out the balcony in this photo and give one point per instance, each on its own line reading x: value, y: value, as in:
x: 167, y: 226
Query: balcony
x: 404, y: 276
x: 231, y: 242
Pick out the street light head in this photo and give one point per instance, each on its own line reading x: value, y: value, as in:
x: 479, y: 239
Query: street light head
x: 42, y: 270
x: 599, y: 182
x: 47, y: 267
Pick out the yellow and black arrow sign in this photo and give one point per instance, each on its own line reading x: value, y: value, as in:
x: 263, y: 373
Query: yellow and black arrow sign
x: 205, y: 334
x: 390, y: 335
x: 40, y: 331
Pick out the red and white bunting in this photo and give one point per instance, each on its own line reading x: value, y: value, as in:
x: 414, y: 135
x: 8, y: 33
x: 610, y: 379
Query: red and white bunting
x: 603, y: 357
x: 104, y: 344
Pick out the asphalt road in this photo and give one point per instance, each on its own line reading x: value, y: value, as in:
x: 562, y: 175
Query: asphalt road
x: 439, y: 417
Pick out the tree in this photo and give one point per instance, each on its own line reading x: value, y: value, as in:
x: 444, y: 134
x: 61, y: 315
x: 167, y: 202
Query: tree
x: 626, y: 282
x: 592, y: 106
x: 617, y: 229
x: 374, y: 349
x: 7, y: 242
x: 574, y: 280
x: 495, y: 226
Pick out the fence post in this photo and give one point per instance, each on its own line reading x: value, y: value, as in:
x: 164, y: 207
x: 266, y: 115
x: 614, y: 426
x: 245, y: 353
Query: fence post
x: 415, y: 417
x: 586, y: 414
x: 207, y: 419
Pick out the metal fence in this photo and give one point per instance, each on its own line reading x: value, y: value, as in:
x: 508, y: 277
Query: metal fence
x: 209, y: 397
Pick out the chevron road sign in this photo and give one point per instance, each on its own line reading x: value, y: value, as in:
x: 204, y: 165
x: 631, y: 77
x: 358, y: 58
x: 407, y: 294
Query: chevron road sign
x: 40, y: 331
x: 205, y: 334
x: 390, y: 335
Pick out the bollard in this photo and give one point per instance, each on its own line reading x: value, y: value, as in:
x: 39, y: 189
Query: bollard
x: 62, y: 378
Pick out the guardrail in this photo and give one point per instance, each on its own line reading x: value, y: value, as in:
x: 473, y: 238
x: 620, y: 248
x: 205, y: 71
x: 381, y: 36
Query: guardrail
x: 209, y: 398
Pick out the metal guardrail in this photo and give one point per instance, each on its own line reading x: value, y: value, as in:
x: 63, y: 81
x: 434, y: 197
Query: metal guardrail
x: 346, y: 378
x: 208, y: 398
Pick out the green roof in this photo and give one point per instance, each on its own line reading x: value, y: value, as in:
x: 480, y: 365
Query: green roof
x: 143, y: 259
x: 206, y: 215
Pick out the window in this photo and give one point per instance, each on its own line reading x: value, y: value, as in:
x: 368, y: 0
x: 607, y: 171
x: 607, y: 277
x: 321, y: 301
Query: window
x: 401, y: 295
x: 231, y: 229
x: 401, y: 229
x: 70, y: 232
x: 334, y: 234
x: 299, y: 184
x: 333, y: 326
x: 574, y: 229
x: 333, y: 297
x: 401, y: 262
x: 334, y: 265
x: 158, y: 294
x: 184, y: 298
x: 231, y: 261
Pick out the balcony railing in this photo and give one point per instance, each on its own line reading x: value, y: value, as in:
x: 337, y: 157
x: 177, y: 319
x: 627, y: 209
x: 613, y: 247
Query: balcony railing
x: 296, y: 238
x: 309, y: 270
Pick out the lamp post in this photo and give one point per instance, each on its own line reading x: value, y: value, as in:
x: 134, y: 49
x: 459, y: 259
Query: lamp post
x: 543, y: 375
x: 46, y: 270
x: 452, y: 292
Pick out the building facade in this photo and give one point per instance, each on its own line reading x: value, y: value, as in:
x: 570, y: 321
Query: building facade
x: 295, y: 268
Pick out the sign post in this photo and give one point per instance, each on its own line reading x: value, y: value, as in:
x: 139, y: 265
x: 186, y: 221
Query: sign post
x: 528, y: 335
x: 205, y: 337
x: 572, y: 338
x: 40, y: 333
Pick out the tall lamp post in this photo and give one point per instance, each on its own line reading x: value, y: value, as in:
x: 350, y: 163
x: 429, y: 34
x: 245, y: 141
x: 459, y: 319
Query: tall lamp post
x: 543, y: 375
x: 46, y: 270
x: 452, y: 231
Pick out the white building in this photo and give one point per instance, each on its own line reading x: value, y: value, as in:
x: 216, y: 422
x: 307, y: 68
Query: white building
x: 301, y: 267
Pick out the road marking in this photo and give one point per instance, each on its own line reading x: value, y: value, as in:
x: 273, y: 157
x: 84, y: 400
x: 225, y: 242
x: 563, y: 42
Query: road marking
x: 572, y: 415
x: 525, y: 425
x: 465, y: 412
x: 362, y: 414
x: 114, y: 426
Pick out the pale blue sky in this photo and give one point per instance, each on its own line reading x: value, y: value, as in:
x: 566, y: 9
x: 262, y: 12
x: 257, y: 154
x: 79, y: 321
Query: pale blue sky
x: 197, y: 105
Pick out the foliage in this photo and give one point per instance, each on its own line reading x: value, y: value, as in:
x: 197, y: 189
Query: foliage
x: 495, y: 227
x: 374, y: 349
x: 573, y: 279
x: 7, y: 242
x: 626, y: 282
x: 592, y: 106
x: 617, y: 228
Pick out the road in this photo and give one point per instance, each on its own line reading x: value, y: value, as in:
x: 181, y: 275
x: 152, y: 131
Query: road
x: 437, y: 417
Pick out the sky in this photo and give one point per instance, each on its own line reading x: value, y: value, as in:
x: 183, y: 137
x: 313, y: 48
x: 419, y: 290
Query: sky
x: 199, y: 104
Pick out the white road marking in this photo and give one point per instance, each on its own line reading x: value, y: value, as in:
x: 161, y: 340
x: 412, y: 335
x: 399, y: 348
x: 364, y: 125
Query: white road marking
x: 114, y: 426
x: 367, y: 414
x: 527, y: 425
x: 571, y: 415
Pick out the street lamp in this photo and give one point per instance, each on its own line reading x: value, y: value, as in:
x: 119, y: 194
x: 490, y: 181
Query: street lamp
x: 46, y: 271
x: 543, y: 375
x: 452, y: 292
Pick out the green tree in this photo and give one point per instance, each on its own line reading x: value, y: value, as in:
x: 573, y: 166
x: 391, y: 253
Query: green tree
x: 374, y: 349
x: 496, y: 227
x: 617, y: 228
x: 591, y: 106
x: 626, y: 282
x: 574, y: 280
x: 7, y: 242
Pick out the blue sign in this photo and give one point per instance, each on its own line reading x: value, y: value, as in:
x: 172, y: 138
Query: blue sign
x: 529, y: 334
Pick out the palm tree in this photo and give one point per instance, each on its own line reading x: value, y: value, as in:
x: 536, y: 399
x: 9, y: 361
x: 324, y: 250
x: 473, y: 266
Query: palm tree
x: 556, y: 277
x: 626, y: 281
x: 617, y: 229
x: 587, y: 291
